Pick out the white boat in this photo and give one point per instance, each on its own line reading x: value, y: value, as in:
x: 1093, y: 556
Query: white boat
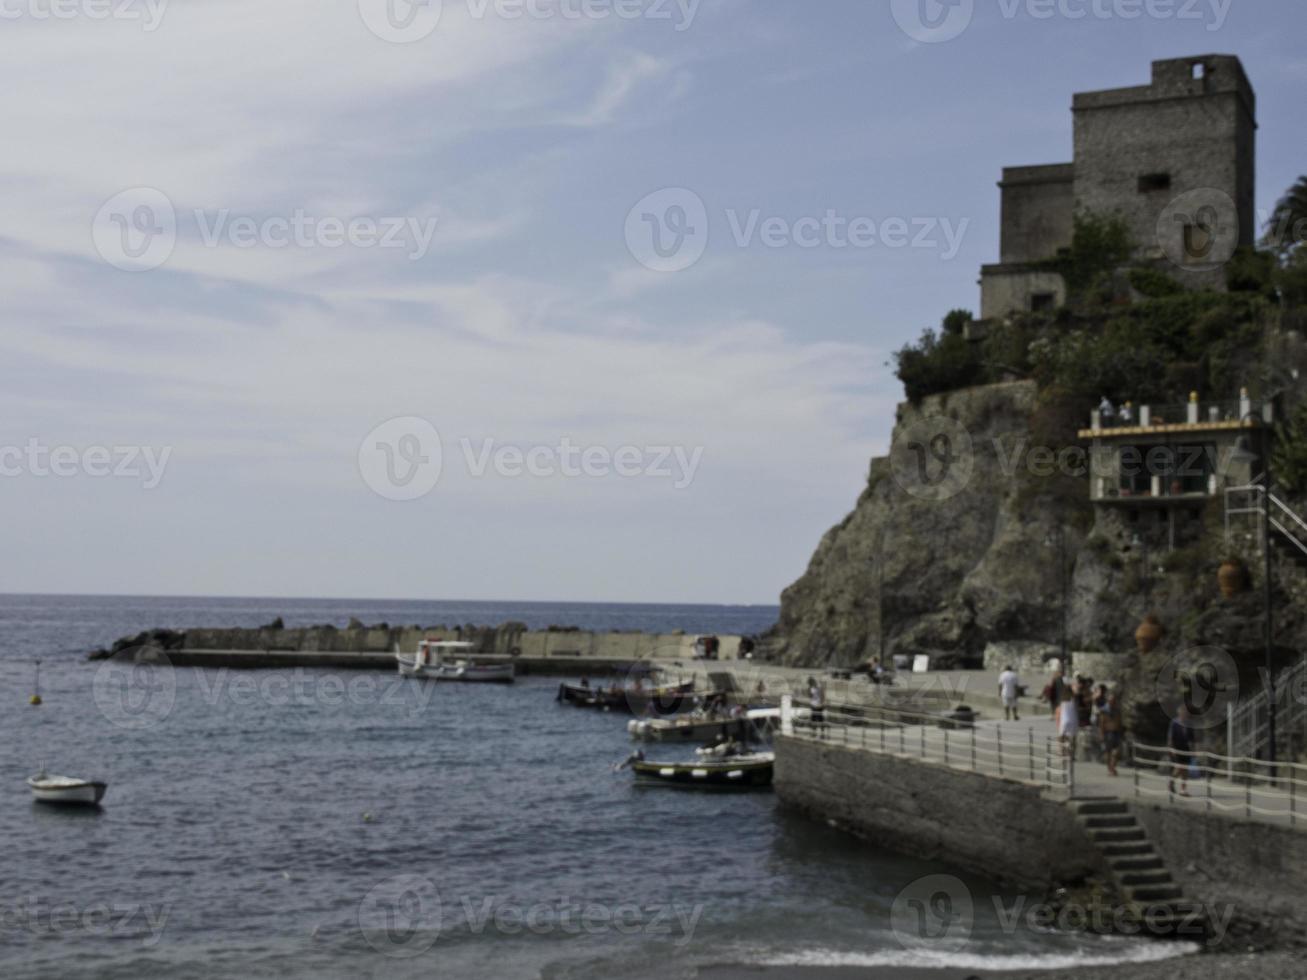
x: 66, y: 790
x: 437, y: 660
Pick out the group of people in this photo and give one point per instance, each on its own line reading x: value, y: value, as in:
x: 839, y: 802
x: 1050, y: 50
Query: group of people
x: 1110, y: 414
x: 1080, y: 705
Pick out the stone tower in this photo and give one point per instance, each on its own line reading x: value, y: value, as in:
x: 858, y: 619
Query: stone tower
x: 1175, y: 158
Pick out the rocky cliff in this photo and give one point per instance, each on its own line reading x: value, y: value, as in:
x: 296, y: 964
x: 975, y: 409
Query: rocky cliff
x: 943, y: 552
x: 955, y: 545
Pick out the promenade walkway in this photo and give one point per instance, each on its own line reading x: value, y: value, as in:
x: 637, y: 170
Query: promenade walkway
x: 905, y: 721
x: 1027, y: 751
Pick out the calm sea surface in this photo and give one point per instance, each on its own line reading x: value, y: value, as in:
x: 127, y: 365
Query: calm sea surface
x: 320, y: 824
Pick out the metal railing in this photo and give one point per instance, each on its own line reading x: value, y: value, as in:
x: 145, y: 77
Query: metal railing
x: 1247, y: 730
x: 939, y: 740
x: 1253, y: 502
x: 1229, y: 785
x: 1247, y: 724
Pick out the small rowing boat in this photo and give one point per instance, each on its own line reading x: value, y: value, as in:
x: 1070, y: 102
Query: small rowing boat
x: 66, y: 790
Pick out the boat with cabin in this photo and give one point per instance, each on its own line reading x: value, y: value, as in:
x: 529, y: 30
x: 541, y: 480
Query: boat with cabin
x: 449, y: 660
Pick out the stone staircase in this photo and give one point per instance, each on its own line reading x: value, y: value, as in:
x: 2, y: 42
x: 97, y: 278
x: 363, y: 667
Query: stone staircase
x: 1142, y: 880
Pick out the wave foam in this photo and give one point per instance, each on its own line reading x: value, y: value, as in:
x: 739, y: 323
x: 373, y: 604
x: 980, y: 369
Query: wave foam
x: 936, y: 959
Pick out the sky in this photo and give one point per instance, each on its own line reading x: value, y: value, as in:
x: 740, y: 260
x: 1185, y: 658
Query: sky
x: 586, y: 300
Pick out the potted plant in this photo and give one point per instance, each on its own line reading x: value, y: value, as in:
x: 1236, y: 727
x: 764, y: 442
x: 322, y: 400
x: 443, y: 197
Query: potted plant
x: 1149, y: 634
x: 1233, y: 577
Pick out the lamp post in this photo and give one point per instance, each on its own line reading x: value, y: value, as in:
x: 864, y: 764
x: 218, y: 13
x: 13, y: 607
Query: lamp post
x: 1066, y: 588
x: 1269, y: 623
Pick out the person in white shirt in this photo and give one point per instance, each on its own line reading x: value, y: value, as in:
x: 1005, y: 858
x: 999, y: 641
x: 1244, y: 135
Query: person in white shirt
x: 1009, y: 688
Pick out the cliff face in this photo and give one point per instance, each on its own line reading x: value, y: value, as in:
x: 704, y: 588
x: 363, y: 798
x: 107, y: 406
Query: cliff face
x: 946, y: 543
x: 955, y: 545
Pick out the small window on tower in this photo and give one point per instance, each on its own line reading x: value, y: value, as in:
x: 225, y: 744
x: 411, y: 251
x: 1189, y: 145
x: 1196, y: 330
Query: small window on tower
x: 1149, y: 183
x: 1200, y: 71
x: 1043, y: 302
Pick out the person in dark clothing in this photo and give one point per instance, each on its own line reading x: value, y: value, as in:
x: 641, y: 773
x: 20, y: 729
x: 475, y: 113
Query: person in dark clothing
x: 1052, y: 694
x: 817, y: 701
x: 1110, y: 727
x: 1180, y: 740
x: 1085, y: 701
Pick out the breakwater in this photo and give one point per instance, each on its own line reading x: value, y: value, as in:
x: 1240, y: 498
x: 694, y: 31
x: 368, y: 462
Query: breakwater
x: 559, y: 650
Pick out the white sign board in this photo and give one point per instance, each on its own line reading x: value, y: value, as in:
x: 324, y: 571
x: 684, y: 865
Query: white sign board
x: 921, y: 663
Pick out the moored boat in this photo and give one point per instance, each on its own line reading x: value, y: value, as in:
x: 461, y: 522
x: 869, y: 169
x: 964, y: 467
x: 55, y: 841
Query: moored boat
x: 756, y: 724
x: 434, y: 661
x: 629, y: 700
x: 737, y: 772
x: 65, y: 790
x: 685, y: 728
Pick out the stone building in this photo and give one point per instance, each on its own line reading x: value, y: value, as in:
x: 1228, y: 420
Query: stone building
x: 1174, y: 158
x: 1160, y: 465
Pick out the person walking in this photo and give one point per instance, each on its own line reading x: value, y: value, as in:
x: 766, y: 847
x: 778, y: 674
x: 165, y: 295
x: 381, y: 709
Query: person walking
x: 1180, y: 740
x: 1009, y: 689
x: 1068, y: 721
x: 1110, y: 730
x: 817, y: 701
x: 1052, y: 694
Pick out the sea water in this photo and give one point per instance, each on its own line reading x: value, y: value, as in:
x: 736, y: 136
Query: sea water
x: 316, y: 823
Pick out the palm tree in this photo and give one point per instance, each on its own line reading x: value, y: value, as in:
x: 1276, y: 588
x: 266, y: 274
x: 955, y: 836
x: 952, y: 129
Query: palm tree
x: 1288, y: 224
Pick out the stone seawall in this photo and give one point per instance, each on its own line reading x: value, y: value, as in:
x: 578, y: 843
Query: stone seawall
x: 1248, y: 876
x: 1007, y: 831
x: 1258, y: 869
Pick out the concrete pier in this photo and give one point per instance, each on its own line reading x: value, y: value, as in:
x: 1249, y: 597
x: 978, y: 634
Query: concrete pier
x: 554, y: 651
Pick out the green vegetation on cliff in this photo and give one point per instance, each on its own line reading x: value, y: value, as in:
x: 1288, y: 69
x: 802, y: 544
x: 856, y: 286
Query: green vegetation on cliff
x: 1130, y: 333
x: 1289, y: 460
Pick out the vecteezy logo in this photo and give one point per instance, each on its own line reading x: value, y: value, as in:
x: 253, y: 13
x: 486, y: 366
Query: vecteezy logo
x: 135, y: 230
x: 401, y: 21
x: 933, y: 21
x: 933, y: 910
x: 667, y: 231
x: 400, y: 917
x: 401, y: 459
x: 1202, y: 680
x: 135, y: 696
x: 932, y: 458
x: 1199, y: 231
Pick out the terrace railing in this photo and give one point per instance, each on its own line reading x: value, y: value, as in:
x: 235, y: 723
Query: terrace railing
x: 932, y: 739
x: 1237, y: 787
x: 1185, y: 413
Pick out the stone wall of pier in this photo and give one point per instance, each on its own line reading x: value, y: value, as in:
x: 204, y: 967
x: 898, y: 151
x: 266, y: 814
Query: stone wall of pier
x: 506, y: 640
x: 1007, y: 831
x: 361, y: 645
x: 1258, y: 870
